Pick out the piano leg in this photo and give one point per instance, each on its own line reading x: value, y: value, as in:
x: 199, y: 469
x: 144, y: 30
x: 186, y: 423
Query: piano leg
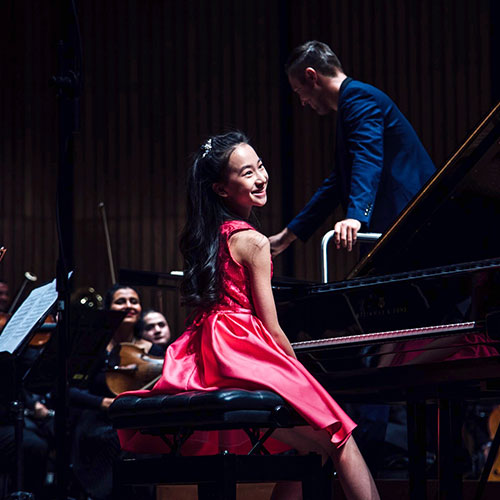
x: 450, y: 420
x: 416, y: 449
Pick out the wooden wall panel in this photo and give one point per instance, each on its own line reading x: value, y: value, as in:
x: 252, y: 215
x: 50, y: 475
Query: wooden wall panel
x: 160, y: 78
x: 28, y: 143
x: 161, y: 75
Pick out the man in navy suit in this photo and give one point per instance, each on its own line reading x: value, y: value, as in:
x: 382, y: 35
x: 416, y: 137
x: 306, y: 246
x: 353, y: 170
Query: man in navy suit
x: 380, y: 163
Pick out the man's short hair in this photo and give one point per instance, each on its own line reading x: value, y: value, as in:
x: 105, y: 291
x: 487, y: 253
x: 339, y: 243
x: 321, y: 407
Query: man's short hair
x: 314, y: 54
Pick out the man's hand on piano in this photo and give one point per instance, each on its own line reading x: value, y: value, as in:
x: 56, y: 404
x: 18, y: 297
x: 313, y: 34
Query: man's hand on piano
x: 281, y: 241
x: 346, y: 233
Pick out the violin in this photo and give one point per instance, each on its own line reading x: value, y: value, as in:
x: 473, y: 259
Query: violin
x: 28, y: 277
x: 4, y: 317
x: 42, y: 336
x: 137, y: 369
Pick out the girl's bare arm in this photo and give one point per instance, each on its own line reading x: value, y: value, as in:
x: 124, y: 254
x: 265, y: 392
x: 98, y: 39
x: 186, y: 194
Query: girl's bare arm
x: 252, y: 250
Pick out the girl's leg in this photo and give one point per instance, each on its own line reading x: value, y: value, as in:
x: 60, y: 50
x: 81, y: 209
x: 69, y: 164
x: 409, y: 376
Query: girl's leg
x: 303, y: 444
x: 354, y: 475
x: 287, y: 491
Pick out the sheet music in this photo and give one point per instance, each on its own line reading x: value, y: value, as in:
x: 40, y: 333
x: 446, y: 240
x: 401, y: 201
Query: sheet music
x: 32, y: 310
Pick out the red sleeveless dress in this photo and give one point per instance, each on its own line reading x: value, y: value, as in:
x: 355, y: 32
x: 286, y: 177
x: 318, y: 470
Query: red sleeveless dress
x: 229, y: 347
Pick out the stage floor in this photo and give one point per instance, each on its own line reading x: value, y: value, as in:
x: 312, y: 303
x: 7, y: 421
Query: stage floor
x: 388, y: 488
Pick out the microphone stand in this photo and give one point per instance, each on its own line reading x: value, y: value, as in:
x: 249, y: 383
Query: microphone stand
x: 68, y: 86
x: 10, y: 377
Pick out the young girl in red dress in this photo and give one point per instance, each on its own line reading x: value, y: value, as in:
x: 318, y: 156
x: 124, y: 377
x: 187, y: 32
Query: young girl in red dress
x: 235, y: 340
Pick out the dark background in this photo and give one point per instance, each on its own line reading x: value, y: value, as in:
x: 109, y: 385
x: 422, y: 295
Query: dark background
x: 162, y: 75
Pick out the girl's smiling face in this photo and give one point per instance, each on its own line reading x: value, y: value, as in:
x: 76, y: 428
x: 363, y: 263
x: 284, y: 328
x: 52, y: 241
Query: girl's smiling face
x: 245, y: 181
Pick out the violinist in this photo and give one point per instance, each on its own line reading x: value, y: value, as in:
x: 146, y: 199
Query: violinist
x: 153, y: 326
x: 95, y: 442
x: 38, y: 431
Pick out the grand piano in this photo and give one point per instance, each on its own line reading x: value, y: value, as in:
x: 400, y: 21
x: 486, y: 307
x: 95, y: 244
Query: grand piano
x: 418, y: 318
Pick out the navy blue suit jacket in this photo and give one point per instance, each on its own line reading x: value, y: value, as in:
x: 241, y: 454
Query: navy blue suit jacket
x: 380, y: 163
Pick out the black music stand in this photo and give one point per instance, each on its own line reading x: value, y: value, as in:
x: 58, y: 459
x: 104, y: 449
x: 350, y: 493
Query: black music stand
x: 90, y: 332
x: 13, y: 340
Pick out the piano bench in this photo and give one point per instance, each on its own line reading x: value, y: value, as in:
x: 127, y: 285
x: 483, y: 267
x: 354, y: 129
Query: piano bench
x: 175, y: 417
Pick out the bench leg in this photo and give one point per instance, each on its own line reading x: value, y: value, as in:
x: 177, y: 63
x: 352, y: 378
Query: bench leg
x: 220, y: 490
x: 313, y: 488
x: 317, y: 484
x: 224, y: 485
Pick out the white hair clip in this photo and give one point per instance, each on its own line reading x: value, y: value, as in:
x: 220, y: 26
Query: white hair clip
x: 206, y: 148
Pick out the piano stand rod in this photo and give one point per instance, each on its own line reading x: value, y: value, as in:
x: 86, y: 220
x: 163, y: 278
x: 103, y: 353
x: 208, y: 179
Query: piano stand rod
x: 362, y: 238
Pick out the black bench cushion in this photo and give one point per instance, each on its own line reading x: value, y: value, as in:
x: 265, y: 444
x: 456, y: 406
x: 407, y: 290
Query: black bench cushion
x: 203, y: 410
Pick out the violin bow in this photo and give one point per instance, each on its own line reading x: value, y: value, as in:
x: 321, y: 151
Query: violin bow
x: 102, y: 208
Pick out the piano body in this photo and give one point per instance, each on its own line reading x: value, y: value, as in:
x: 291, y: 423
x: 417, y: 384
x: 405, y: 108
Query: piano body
x: 418, y: 319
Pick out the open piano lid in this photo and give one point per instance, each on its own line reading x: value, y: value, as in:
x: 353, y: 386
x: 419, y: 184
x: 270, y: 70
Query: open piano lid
x: 455, y: 216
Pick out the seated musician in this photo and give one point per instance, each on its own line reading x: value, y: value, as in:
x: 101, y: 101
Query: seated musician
x: 35, y: 447
x: 153, y: 326
x: 234, y: 339
x: 95, y: 442
x: 38, y: 432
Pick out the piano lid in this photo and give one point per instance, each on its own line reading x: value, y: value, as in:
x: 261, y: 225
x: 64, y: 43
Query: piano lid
x: 138, y: 277
x: 455, y: 216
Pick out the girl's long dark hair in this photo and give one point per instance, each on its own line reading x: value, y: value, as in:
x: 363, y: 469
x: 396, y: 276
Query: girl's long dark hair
x: 199, y: 241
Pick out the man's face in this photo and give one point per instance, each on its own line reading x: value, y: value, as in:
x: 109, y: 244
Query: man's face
x: 4, y: 297
x: 156, y: 328
x: 310, y: 93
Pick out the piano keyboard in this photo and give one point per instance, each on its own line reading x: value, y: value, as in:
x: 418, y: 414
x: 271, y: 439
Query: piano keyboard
x: 389, y: 335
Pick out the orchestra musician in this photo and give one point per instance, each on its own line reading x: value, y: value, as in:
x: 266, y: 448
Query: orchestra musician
x: 153, y: 326
x: 38, y: 431
x: 36, y: 446
x: 95, y: 442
